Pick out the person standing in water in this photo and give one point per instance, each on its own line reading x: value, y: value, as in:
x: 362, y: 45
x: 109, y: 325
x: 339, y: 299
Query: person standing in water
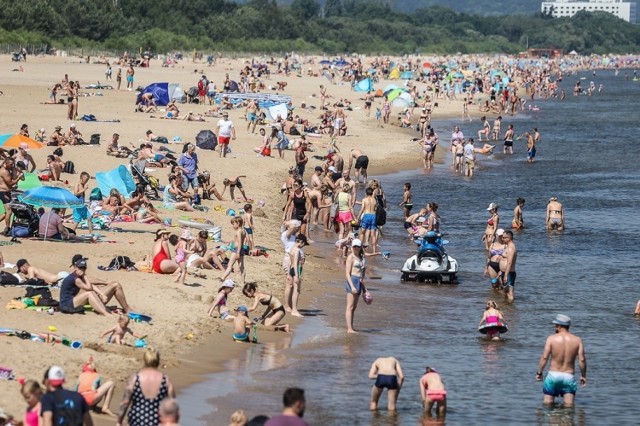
x: 555, y: 215
x: 388, y: 374
x: 433, y: 393
x: 563, y: 348
x: 518, y: 221
x: 508, y: 139
x: 508, y: 264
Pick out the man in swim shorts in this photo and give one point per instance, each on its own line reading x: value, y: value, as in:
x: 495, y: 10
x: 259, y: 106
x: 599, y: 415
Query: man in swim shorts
x: 361, y: 165
x: 510, y: 255
x: 252, y: 115
x: 388, y: 374
x: 226, y: 132
x: 367, y: 219
x: 564, y: 348
x: 432, y: 392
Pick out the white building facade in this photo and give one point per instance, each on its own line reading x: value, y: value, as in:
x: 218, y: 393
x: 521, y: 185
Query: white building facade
x: 567, y: 8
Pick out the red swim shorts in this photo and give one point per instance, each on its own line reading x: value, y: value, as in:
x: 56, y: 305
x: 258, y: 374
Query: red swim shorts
x: 224, y: 140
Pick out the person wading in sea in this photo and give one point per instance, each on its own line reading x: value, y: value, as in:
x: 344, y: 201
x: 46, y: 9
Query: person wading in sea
x: 564, y: 348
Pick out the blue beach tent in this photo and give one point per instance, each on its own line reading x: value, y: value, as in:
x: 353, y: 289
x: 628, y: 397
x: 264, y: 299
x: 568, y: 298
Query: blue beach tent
x: 364, y: 85
x: 160, y: 93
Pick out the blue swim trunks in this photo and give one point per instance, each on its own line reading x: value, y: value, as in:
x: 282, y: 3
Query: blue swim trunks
x: 558, y: 384
x: 368, y: 221
x: 252, y: 117
x: 386, y: 381
x: 244, y: 337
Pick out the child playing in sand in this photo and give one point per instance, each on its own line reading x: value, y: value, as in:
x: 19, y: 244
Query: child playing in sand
x: 241, y: 324
x: 220, y: 301
x: 32, y: 392
x: 234, y: 183
x: 93, y: 390
x: 248, y: 224
x: 118, y: 331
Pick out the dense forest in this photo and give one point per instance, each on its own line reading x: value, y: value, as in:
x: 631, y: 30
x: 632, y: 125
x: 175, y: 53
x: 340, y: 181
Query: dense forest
x: 478, y: 7
x: 336, y: 26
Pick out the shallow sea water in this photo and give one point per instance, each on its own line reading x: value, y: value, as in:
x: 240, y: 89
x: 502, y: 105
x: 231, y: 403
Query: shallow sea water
x: 588, y: 272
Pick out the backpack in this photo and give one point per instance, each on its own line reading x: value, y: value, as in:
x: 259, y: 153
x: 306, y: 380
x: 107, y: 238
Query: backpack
x: 8, y: 279
x: 20, y: 231
x: 66, y: 412
x: 69, y: 167
x: 35, y: 288
x: 121, y: 262
x: 95, y: 139
x: 96, y: 195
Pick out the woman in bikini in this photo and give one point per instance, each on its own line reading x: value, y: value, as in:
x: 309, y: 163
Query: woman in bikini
x: 274, y: 312
x: 433, y: 219
x: 354, y: 271
x: 428, y: 147
x: 496, y: 251
x: 161, y: 255
x: 492, y: 225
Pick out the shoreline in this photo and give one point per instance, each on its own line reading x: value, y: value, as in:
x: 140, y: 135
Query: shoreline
x: 177, y: 312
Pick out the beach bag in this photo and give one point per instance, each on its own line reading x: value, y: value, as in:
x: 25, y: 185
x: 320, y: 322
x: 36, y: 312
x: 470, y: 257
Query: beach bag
x: 333, y: 213
x: 37, y: 289
x: 266, y: 151
x: 121, y: 262
x: 96, y: 195
x: 95, y: 139
x: 8, y: 279
x: 20, y: 231
x: 161, y: 139
x: 381, y: 216
x: 69, y: 167
x: 88, y: 117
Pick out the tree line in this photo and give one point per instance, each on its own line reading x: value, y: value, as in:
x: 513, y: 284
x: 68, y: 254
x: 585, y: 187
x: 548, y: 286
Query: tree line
x: 337, y: 26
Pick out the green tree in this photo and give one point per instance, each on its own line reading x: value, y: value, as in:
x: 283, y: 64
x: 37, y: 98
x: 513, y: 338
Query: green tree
x: 305, y: 9
x: 332, y: 8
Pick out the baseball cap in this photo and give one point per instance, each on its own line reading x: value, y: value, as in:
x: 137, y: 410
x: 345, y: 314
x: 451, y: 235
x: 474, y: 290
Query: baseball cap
x: 421, y: 219
x: 80, y: 263
x: 73, y: 125
x: 56, y: 376
x: 499, y: 232
x: 20, y: 263
x: 318, y: 169
x: 493, y: 206
x: 242, y: 308
x: 229, y: 284
x: 356, y: 243
x: 77, y: 257
x: 562, y: 320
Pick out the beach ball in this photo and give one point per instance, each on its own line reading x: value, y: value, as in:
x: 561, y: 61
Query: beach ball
x: 231, y: 212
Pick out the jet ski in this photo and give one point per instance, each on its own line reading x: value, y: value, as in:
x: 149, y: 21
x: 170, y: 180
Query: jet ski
x: 431, y: 264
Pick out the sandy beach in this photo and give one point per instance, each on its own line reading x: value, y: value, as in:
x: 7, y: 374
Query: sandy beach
x: 180, y: 321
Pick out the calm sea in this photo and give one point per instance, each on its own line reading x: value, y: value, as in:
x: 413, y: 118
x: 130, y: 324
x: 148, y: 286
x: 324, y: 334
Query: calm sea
x: 587, y: 159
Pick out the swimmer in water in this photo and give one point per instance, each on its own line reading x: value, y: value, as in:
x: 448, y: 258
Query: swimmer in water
x: 492, y: 315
